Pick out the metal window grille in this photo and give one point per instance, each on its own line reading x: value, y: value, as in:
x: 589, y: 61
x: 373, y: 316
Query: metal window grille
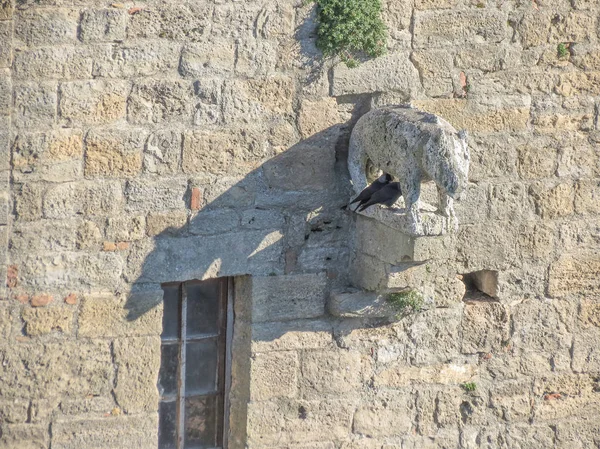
x: 194, y: 365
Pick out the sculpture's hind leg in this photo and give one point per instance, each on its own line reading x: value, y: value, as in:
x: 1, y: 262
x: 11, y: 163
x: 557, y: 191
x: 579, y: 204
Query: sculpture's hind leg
x: 446, y: 208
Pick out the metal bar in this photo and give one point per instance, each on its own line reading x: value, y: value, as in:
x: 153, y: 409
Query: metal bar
x: 228, y: 361
x: 182, y: 366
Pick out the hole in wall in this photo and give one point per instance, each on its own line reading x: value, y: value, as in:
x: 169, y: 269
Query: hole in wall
x: 481, y: 285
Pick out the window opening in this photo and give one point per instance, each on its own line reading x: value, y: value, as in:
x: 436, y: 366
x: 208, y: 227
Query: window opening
x: 192, y: 378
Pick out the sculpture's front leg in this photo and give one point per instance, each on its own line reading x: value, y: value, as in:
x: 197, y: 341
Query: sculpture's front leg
x: 446, y: 208
x: 411, y: 189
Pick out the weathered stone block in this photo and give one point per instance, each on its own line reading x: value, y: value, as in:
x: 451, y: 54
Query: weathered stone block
x: 107, y: 316
x: 262, y: 219
x: 62, y: 369
x: 435, y: 4
x: 172, y: 222
x: 103, y: 25
x: 181, y: 22
x: 204, y: 59
x: 34, y: 105
x: 400, y: 375
x: 435, y: 335
x: 278, y: 298
x: 537, y: 162
x: 24, y: 436
x: 485, y: 327
x: 553, y: 200
x: 273, y: 375
x: 53, y: 156
x: 256, y: 57
x: 374, y: 76
x: 443, y: 28
x: 92, y: 102
x: 435, y: 68
x: 137, y: 362
x: 162, y: 154
x: 131, y: 60
x: 125, y: 228
x: 284, y: 422
x: 155, y: 194
x: 5, y: 92
x: 114, y: 153
x: 106, y: 433
x: 291, y: 335
x: 41, y: 321
x: 72, y: 62
x: 73, y: 271
x: 378, y: 421
x: 6, y: 9
x: 161, y: 101
x: 41, y: 27
x: 510, y: 201
x: 574, y: 274
x: 317, y: 116
x: 180, y: 259
x: 218, y: 221
x: 14, y: 410
x: 28, y: 201
x: 335, y: 373
x: 587, y: 197
x: 89, y: 198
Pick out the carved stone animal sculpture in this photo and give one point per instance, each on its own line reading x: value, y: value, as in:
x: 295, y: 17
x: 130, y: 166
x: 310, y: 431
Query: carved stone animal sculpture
x: 414, y: 147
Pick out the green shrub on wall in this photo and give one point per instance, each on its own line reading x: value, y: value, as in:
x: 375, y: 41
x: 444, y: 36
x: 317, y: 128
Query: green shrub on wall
x: 350, y: 29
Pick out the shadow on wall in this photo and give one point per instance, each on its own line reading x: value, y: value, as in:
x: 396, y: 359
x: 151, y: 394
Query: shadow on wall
x: 284, y: 217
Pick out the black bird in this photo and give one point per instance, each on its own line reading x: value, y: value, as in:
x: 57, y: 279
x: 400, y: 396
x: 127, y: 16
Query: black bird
x: 386, y: 196
x: 368, y: 191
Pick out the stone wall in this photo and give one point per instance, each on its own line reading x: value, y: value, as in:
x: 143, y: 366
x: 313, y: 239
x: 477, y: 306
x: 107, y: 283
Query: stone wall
x: 168, y: 141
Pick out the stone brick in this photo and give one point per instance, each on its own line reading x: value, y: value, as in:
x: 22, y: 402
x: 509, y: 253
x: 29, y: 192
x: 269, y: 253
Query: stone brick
x: 262, y: 219
x: 553, y: 200
x: 41, y: 300
x: 5, y: 92
x: 137, y: 362
x: 316, y: 116
x: 587, y: 197
x: 330, y: 373
x: 203, y: 59
x: 169, y: 222
x: 155, y: 195
x: 196, y: 199
x: 537, y: 162
x: 92, y: 102
x: 109, y: 316
x: 291, y: 335
x: 399, y: 375
x: 125, y: 228
x: 24, y: 436
x: 161, y: 101
x: 162, y: 154
x: 181, y: 22
x: 275, y: 423
x: 65, y: 62
x: 209, y: 222
x: 510, y: 201
x: 14, y: 411
x: 377, y: 421
x: 457, y: 28
x: 89, y: 198
x: 71, y: 299
x: 277, y: 298
x: 62, y: 369
x: 374, y: 76
x: 34, y: 105
x: 6, y: 9
x: 255, y: 57
x: 28, y: 201
x: 72, y: 270
x: 105, y: 433
x: 435, y: 4
x: 109, y: 246
x: 574, y: 274
x: 40, y: 27
x: 273, y: 375
x: 46, y: 320
x: 114, y: 153
x: 216, y: 152
x: 103, y: 25
x: 485, y: 327
x: 53, y: 156
x: 435, y: 69
x: 132, y: 59
x: 512, y: 115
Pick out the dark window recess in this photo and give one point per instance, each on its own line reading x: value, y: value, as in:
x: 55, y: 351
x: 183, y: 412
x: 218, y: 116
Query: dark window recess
x: 192, y: 377
x: 481, y: 285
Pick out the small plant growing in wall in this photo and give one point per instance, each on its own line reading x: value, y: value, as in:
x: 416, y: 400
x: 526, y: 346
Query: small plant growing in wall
x: 562, y: 51
x: 350, y: 29
x: 406, y: 302
x: 469, y: 386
